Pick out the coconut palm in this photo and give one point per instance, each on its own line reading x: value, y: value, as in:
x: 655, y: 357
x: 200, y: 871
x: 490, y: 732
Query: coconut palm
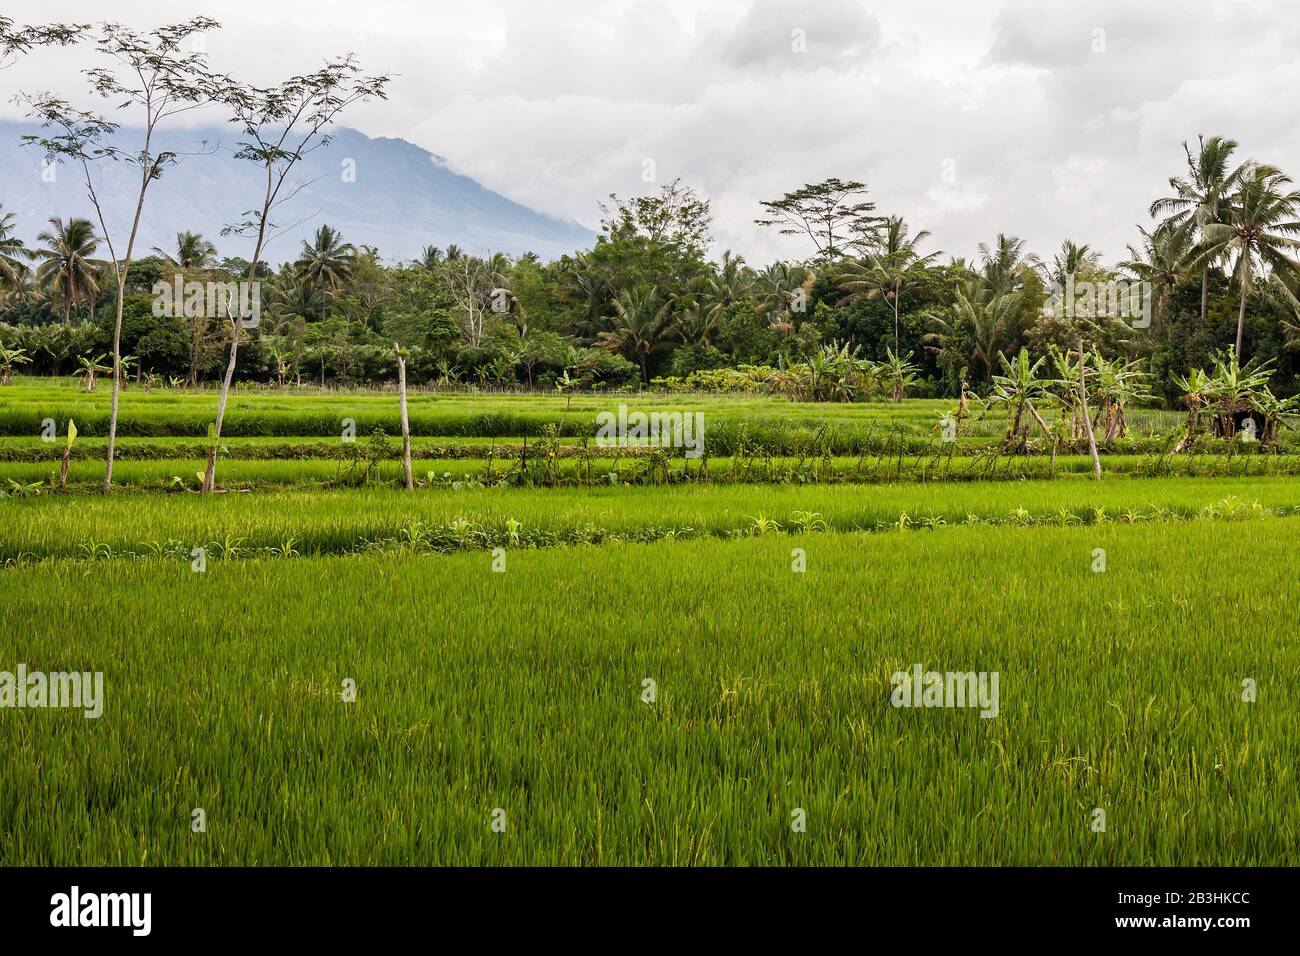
x: 1071, y: 260
x: 25, y: 288
x: 1258, y: 231
x: 975, y: 325
x: 192, y: 252
x: 1167, y: 255
x: 1004, y: 263
x: 893, y: 268
x: 640, y: 326
x: 780, y: 288
x: 730, y: 282
x: 1200, y: 198
x: 326, y: 261
x: 67, y: 262
x: 430, y: 258
x: 1279, y: 293
x: 694, y: 324
x: 14, y: 256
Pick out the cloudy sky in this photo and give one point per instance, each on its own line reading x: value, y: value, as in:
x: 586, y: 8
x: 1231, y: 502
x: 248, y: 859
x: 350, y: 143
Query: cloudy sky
x: 967, y: 117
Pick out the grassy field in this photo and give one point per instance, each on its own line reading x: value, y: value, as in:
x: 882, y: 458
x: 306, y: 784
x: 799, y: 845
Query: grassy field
x: 500, y: 634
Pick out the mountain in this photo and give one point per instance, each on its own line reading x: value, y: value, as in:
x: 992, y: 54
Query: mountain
x: 400, y: 198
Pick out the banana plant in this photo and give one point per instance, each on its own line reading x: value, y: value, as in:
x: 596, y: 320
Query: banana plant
x: 1236, y: 387
x: 125, y: 365
x: 1197, y: 388
x: 8, y: 359
x: 899, y: 372
x: 92, y: 367
x: 1117, y: 384
x: 1276, y: 413
x: 67, y: 454
x: 1018, y: 389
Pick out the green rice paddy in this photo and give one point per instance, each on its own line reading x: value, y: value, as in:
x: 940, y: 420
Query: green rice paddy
x: 648, y: 669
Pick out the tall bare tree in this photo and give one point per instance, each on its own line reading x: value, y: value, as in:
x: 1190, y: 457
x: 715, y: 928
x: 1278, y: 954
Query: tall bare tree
x: 833, y: 213
x: 279, y: 125
x: 152, y: 76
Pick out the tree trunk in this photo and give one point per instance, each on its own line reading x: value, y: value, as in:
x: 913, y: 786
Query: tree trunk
x: 117, y: 371
x: 406, y: 426
x: 1241, y: 314
x: 1205, y: 294
x: 1087, y: 420
x: 210, y: 473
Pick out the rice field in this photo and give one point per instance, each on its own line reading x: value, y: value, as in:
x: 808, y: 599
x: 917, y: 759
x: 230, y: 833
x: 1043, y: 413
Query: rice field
x: 613, y: 659
x: 519, y: 697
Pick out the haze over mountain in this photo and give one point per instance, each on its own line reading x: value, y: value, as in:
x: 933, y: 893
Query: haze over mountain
x: 400, y: 199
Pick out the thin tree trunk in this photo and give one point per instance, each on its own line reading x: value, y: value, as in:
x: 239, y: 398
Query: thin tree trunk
x: 121, y: 269
x: 117, y: 376
x: 210, y: 473
x: 1087, y: 419
x: 1205, y: 294
x: 406, y: 425
x: 1241, y: 314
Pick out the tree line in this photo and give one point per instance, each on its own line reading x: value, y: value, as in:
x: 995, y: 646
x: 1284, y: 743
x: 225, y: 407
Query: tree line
x: 645, y: 306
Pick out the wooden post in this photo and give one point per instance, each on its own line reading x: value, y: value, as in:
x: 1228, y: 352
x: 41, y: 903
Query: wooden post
x: 406, y: 425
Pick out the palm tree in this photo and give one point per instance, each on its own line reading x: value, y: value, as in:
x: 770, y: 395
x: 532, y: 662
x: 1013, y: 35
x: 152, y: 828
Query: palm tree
x: 430, y: 258
x: 892, y: 268
x: 731, y: 282
x: 694, y: 323
x: 779, y: 288
x: 977, y: 323
x: 1201, y: 198
x: 294, y: 303
x: 1166, y: 256
x: 24, y: 289
x: 640, y: 326
x: 326, y: 261
x: 1259, y: 227
x: 1072, y: 259
x: 13, y: 255
x: 192, y: 252
x: 67, y: 264
x: 1003, y: 265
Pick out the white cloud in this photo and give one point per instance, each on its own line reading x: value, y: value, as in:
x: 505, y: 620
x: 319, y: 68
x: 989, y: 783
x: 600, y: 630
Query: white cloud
x: 558, y: 102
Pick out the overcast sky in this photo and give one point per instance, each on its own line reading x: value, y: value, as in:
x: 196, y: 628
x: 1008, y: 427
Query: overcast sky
x: 968, y: 117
